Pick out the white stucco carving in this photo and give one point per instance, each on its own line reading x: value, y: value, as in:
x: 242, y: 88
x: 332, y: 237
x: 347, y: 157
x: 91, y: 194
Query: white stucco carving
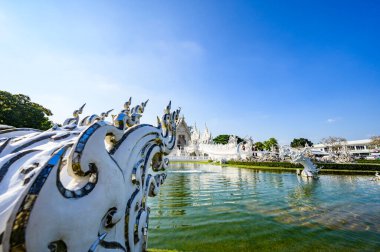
x: 83, y: 186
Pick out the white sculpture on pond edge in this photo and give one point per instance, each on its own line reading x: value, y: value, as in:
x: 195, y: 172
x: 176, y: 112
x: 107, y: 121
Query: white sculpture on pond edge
x: 377, y: 177
x: 83, y: 186
x: 299, y: 156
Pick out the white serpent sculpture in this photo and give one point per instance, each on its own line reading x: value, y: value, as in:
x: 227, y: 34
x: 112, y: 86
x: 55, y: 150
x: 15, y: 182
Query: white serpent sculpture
x: 83, y: 186
x: 310, y: 170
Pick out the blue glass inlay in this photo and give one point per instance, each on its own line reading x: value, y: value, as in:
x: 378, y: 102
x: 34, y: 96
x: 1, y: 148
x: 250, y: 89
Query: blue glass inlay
x: 90, y: 130
x: 79, y: 147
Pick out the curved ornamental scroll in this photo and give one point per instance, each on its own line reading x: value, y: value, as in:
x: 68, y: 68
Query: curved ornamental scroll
x: 83, y: 186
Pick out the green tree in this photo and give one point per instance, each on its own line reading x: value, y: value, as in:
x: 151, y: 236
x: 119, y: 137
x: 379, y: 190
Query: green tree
x: 19, y: 111
x: 269, y: 143
x: 223, y: 139
x: 259, y: 146
x: 375, y: 142
x: 300, y: 142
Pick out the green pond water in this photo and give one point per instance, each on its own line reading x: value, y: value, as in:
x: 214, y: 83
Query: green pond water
x: 212, y: 208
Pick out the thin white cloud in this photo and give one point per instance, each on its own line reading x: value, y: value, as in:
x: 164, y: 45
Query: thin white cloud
x: 62, y: 78
x: 333, y: 120
x: 62, y: 81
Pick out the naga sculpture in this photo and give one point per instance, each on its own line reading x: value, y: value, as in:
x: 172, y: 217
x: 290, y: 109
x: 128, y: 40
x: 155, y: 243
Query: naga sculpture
x: 299, y: 156
x: 83, y: 186
x: 377, y: 177
x: 245, y: 149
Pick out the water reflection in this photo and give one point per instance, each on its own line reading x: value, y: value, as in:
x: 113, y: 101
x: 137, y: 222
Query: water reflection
x: 303, y: 192
x: 336, y: 202
x: 175, y: 201
x: 196, y: 199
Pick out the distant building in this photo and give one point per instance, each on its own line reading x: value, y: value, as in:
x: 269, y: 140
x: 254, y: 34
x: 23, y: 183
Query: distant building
x: 359, y: 148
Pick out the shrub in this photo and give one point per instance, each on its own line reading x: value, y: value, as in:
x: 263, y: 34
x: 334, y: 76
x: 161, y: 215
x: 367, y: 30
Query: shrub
x: 351, y: 167
x: 364, y: 161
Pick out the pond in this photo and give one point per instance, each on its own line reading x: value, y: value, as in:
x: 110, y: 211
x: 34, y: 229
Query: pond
x: 212, y: 208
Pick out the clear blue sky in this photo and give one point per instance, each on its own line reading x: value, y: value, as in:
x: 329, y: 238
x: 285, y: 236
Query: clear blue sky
x: 261, y: 68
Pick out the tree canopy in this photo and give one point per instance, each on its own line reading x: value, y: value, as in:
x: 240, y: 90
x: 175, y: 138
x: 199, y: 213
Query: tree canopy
x: 300, y: 142
x: 19, y: 111
x: 375, y: 141
x: 223, y: 139
x: 334, y: 143
x: 269, y: 143
x: 259, y: 146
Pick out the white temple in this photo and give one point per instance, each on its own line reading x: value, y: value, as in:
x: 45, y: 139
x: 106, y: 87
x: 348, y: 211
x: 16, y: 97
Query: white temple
x: 192, y: 144
x: 196, y: 145
x: 183, y: 134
